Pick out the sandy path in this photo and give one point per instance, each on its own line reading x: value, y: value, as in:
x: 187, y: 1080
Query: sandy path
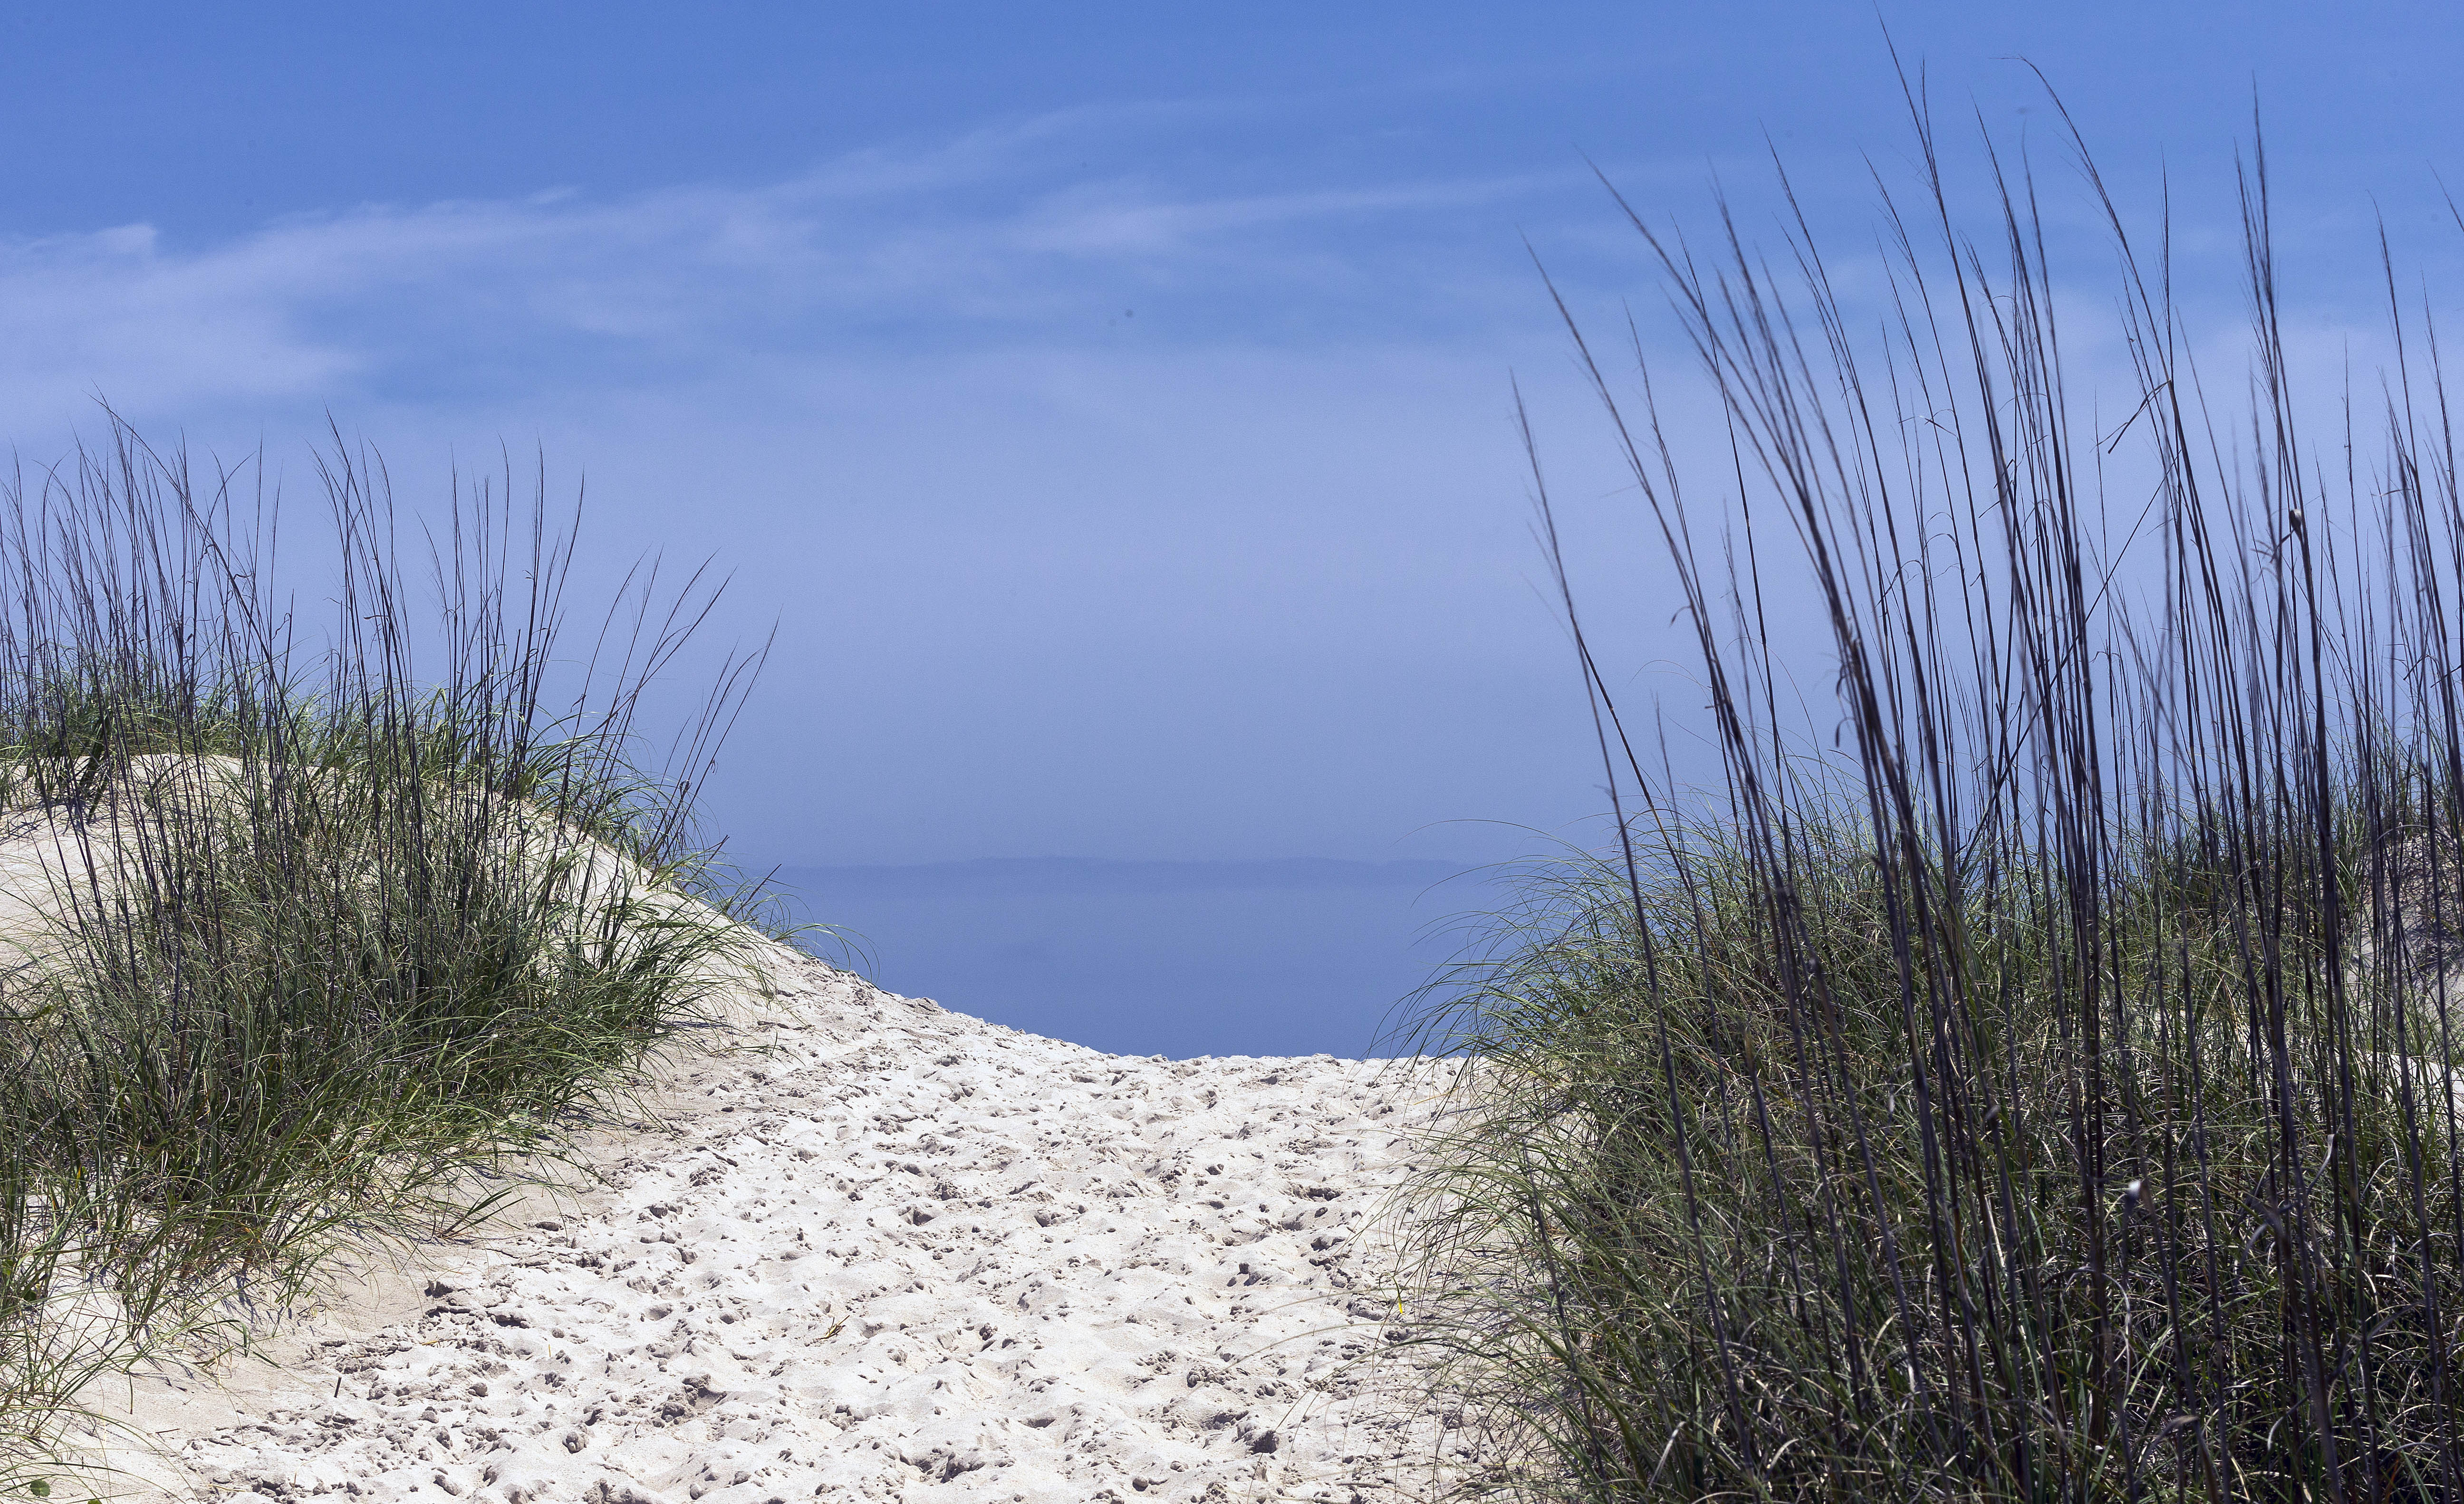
x: 901, y: 1253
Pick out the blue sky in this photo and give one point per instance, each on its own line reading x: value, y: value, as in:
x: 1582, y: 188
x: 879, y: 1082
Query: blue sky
x: 1108, y: 403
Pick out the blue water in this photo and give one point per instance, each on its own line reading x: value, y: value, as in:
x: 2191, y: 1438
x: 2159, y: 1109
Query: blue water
x: 1174, y: 958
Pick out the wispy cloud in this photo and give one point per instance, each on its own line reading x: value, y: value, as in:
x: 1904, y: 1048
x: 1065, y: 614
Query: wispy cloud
x: 991, y: 238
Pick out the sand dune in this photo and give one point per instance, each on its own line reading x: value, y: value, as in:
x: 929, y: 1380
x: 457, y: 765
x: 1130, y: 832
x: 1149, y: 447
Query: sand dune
x: 876, y: 1251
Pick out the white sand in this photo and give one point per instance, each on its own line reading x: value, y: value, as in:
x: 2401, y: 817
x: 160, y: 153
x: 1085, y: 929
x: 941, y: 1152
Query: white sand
x: 900, y: 1253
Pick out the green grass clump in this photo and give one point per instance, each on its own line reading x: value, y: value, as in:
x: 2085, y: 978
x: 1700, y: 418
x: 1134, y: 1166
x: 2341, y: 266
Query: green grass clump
x: 1706, y: 1225
x: 2034, y: 1076
x: 304, y: 931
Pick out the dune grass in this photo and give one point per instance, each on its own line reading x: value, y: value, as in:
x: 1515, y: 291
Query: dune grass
x: 316, y: 919
x: 2049, y: 1094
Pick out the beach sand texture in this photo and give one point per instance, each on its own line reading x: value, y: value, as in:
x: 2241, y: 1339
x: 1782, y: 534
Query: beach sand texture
x: 871, y: 1249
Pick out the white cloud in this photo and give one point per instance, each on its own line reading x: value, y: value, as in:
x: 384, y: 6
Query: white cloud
x: 985, y: 239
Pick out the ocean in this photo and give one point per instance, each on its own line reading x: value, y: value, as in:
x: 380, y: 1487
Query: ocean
x: 1299, y: 956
